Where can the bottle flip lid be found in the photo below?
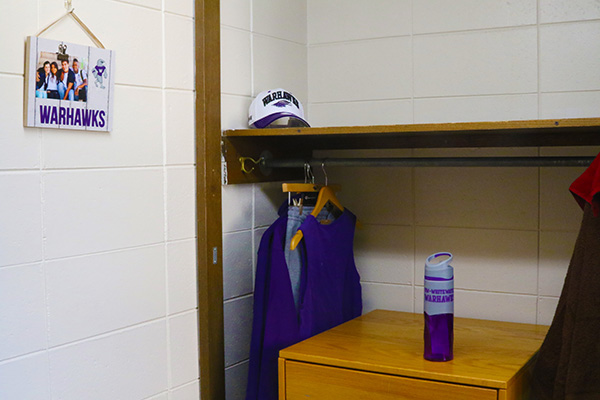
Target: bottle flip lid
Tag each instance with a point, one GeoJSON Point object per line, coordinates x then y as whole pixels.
{"type": "Point", "coordinates": [439, 270]}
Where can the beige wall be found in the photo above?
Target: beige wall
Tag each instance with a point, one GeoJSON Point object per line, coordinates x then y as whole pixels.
{"type": "Point", "coordinates": [511, 230]}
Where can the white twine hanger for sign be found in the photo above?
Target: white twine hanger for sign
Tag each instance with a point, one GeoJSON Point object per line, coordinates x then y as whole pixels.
{"type": "Point", "coordinates": [71, 12]}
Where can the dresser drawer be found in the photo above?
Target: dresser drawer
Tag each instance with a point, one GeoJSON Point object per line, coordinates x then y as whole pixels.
{"type": "Point", "coordinates": [317, 382]}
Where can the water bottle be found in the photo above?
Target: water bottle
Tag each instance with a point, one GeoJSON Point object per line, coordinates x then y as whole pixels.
{"type": "Point", "coordinates": [439, 308]}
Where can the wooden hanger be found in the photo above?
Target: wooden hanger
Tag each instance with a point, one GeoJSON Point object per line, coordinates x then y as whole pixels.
{"type": "Point", "coordinates": [326, 194]}
{"type": "Point", "coordinates": [298, 188]}
{"type": "Point", "coordinates": [306, 187]}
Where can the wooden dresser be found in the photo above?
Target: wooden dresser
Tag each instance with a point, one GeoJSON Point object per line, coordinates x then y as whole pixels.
{"type": "Point", "coordinates": [380, 356]}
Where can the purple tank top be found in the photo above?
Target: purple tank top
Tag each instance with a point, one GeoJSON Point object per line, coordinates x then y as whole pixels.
{"type": "Point", "coordinates": [330, 283]}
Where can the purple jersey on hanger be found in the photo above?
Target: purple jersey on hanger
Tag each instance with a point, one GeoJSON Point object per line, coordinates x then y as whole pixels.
{"type": "Point", "coordinates": [330, 294]}
{"type": "Point", "coordinates": [330, 284]}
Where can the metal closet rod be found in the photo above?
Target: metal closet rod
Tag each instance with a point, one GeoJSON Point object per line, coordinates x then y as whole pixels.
{"type": "Point", "coordinates": [432, 162]}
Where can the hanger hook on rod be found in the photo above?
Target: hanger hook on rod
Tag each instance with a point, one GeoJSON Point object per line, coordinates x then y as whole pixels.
{"type": "Point", "coordinates": [324, 171]}
{"type": "Point", "coordinates": [309, 177]}
{"type": "Point", "coordinates": [69, 5]}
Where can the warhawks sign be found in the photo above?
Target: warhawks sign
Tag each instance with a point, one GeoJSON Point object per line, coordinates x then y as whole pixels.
{"type": "Point", "coordinates": [68, 86]}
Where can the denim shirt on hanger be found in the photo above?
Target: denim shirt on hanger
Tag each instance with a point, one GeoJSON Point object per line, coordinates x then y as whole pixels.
{"type": "Point", "coordinates": [292, 257]}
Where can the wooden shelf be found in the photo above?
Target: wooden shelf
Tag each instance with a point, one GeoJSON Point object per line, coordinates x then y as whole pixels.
{"type": "Point", "coordinates": [300, 142]}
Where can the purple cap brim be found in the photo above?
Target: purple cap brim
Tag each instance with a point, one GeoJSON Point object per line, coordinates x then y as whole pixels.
{"type": "Point", "coordinates": [269, 119]}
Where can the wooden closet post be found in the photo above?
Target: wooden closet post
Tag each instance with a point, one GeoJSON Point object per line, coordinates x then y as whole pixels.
{"type": "Point", "coordinates": [208, 200]}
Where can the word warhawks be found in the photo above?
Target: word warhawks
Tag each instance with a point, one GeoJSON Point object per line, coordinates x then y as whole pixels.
{"type": "Point", "coordinates": [279, 95]}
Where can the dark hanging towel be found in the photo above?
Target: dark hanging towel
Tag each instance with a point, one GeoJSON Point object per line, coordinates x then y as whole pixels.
{"type": "Point", "coordinates": [330, 293]}
{"type": "Point", "coordinates": [568, 363]}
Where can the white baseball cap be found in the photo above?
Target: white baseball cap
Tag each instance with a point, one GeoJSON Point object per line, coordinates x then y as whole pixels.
{"type": "Point", "coordinates": [276, 108]}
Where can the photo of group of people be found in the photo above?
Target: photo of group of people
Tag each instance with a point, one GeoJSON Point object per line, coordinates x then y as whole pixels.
{"type": "Point", "coordinates": [61, 79]}
{"type": "Point", "coordinates": [68, 85]}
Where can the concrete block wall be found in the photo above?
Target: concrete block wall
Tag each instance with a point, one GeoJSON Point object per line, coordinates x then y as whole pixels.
{"type": "Point", "coordinates": [432, 61]}
{"type": "Point", "coordinates": [511, 230]}
{"type": "Point", "coordinates": [97, 245]}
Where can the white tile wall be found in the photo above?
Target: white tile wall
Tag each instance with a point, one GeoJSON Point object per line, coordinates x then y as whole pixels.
{"type": "Point", "coordinates": [268, 197]}
{"type": "Point", "coordinates": [546, 309]}
{"type": "Point", "coordinates": [237, 207]}
{"type": "Point", "coordinates": [442, 16]}
{"type": "Point", "coordinates": [23, 314]}
{"type": "Point", "coordinates": [384, 253]}
{"type": "Point", "coordinates": [556, 249]}
{"type": "Point", "coordinates": [476, 63]}
{"type": "Point", "coordinates": [569, 105]}
{"type": "Point", "coordinates": [236, 13]}
{"type": "Point", "coordinates": [234, 111]}
{"type": "Point", "coordinates": [134, 361]}
{"type": "Point", "coordinates": [558, 210]}
{"type": "Point", "coordinates": [139, 58]}
{"type": "Point", "coordinates": [78, 305]}
{"type": "Point", "coordinates": [182, 7]}
{"type": "Point", "coordinates": [278, 63]}
{"type": "Point", "coordinates": [183, 349]}
{"type": "Point", "coordinates": [162, 396]}
{"type": "Point", "coordinates": [392, 189]}
{"type": "Point", "coordinates": [25, 377]}
{"type": "Point", "coordinates": [89, 211]}
{"type": "Point", "coordinates": [236, 62]}
{"type": "Point", "coordinates": [179, 125]}
{"type": "Point", "coordinates": [179, 55]}
{"type": "Point", "coordinates": [281, 19]}
{"type": "Point", "coordinates": [19, 147]}
{"type": "Point", "coordinates": [237, 314]}
{"type": "Point", "coordinates": [186, 392]}
{"type": "Point", "coordinates": [236, 378]}
{"type": "Point", "coordinates": [98, 235]}
{"type": "Point", "coordinates": [361, 70]}
{"type": "Point", "coordinates": [18, 20]}
{"type": "Point", "coordinates": [569, 56]}
{"type": "Point", "coordinates": [446, 197]}
{"type": "Point", "coordinates": [151, 3]}
{"type": "Point", "coordinates": [387, 297]}
{"type": "Point", "coordinates": [476, 108]}
{"type": "Point", "coordinates": [21, 218]}
{"type": "Point", "coordinates": [484, 259]}
{"type": "Point", "coordinates": [237, 264]}
{"type": "Point", "coordinates": [385, 112]}
{"type": "Point", "coordinates": [344, 20]}
{"type": "Point", "coordinates": [560, 11]}
{"type": "Point", "coordinates": [181, 202]}
{"type": "Point", "coordinates": [181, 267]}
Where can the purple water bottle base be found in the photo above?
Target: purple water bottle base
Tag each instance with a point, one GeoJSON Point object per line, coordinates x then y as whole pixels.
{"type": "Point", "coordinates": [439, 337]}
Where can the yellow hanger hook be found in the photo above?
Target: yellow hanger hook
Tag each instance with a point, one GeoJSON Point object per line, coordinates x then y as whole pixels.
{"type": "Point", "coordinates": [255, 162]}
